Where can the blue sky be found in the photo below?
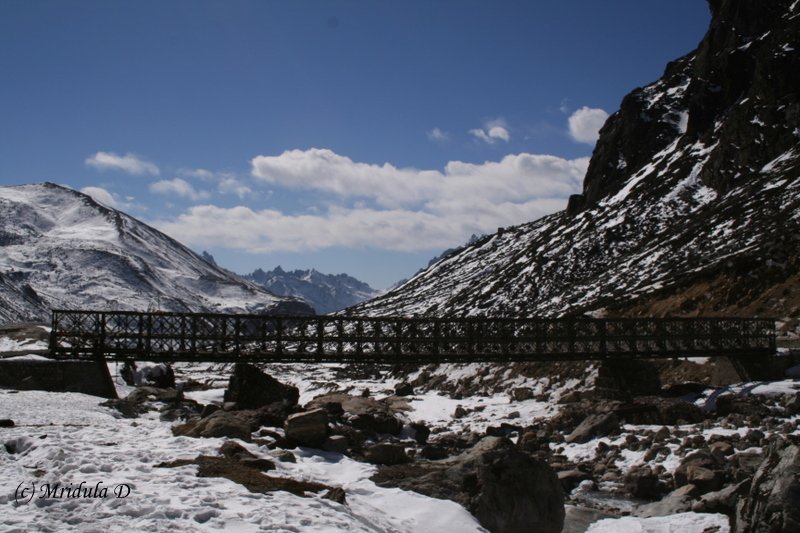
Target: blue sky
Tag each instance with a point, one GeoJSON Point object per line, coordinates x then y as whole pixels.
{"type": "Point", "coordinates": [348, 136]}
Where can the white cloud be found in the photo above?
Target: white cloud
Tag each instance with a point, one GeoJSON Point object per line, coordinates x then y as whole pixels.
{"type": "Point", "coordinates": [231, 185]}
{"type": "Point", "coordinates": [585, 124]}
{"type": "Point", "coordinates": [127, 163]}
{"type": "Point", "coordinates": [200, 173]}
{"type": "Point", "coordinates": [101, 195]}
{"type": "Point", "coordinates": [413, 209]}
{"type": "Point", "coordinates": [179, 187]}
{"type": "Point", "coordinates": [438, 135]}
{"type": "Point", "coordinates": [513, 178]}
{"type": "Point", "coordinates": [492, 131]}
{"type": "Point", "coordinates": [269, 231]}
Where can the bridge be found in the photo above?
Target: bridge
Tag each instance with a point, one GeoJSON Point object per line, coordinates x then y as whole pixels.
{"type": "Point", "coordinates": [171, 337]}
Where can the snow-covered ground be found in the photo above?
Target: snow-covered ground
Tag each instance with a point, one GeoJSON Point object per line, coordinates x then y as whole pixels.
{"type": "Point", "coordinates": [69, 438]}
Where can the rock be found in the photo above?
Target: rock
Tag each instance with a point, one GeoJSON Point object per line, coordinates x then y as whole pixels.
{"type": "Point", "coordinates": [792, 403]}
{"type": "Point", "coordinates": [595, 425]}
{"type": "Point", "coordinates": [433, 452]}
{"type": "Point", "coordinates": [459, 412]}
{"type": "Point", "coordinates": [421, 432]}
{"type": "Point", "coordinates": [520, 394]}
{"type": "Point", "coordinates": [208, 410]}
{"type": "Point", "coordinates": [721, 447]}
{"type": "Point", "coordinates": [218, 424]}
{"type": "Point", "coordinates": [754, 436]}
{"type": "Point", "coordinates": [250, 388]}
{"type": "Point", "coordinates": [722, 501]}
{"type": "Point", "coordinates": [6, 423]}
{"type": "Point", "coordinates": [642, 482]}
{"type": "Point", "coordinates": [285, 456]}
{"type": "Point", "coordinates": [702, 469]}
{"type": "Point", "coordinates": [250, 478]}
{"type": "Point", "coordinates": [570, 397]}
{"type": "Point", "coordinates": [367, 414]}
{"type": "Point", "coordinates": [678, 501]}
{"type": "Point", "coordinates": [504, 488]}
{"type": "Point", "coordinates": [631, 376]}
{"type": "Point", "coordinates": [378, 423]}
{"type": "Point", "coordinates": [135, 403]}
{"type": "Point", "coordinates": [337, 495]}
{"type": "Point", "coordinates": [403, 389]}
{"type": "Point", "coordinates": [158, 375]}
{"type": "Point", "coordinates": [386, 454]}
{"type": "Point", "coordinates": [336, 444]}
{"type": "Point", "coordinates": [309, 428]}
{"type": "Point", "coordinates": [578, 519]}
{"type": "Point", "coordinates": [771, 503]}
{"type": "Point", "coordinates": [257, 463]}
{"type": "Point", "coordinates": [233, 450]}
{"type": "Point", "coordinates": [705, 479]}
{"type": "Point", "coordinates": [572, 478]}
{"type": "Point", "coordinates": [743, 405]}
{"type": "Point", "coordinates": [273, 415]}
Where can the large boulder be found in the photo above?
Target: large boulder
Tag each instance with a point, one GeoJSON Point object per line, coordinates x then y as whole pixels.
{"type": "Point", "coordinates": [386, 454]}
{"type": "Point", "coordinates": [367, 414]}
{"type": "Point", "coordinates": [594, 425]}
{"type": "Point", "coordinates": [772, 503]}
{"type": "Point", "coordinates": [217, 424]}
{"type": "Point", "coordinates": [251, 388]}
{"type": "Point", "coordinates": [504, 488]}
{"type": "Point", "coordinates": [309, 428]}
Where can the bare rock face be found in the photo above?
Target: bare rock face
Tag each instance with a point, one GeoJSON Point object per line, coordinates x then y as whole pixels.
{"type": "Point", "coordinates": [505, 489]}
{"type": "Point", "coordinates": [688, 204]}
{"type": "Point", "coordinates": [250, 388]}
{"type": "Point", "coordinates": [772, 504]}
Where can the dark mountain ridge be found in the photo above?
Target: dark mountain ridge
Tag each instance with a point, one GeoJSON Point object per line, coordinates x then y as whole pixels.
{"type": "Point", "coordinates": [690, 205]}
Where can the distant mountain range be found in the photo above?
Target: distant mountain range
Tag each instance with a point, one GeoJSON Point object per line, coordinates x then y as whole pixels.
{"type": "Point", "coordinates": [326, 293]}
{"type": "Point", "coordinates": [691, 203]}
{"type": "Point", "coordinates": [59, 248]}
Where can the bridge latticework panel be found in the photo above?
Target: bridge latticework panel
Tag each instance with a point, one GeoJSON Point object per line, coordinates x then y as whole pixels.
{"type": "Point", "coordinates": [218, 337]}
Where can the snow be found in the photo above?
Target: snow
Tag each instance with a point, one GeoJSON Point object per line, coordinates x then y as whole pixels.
{"type": "Point", "coordinates": [10, 345]}
{"type": "Point", "coordinates": [68, 438]}
{"type": "Point", "coordinates": [678, 523]}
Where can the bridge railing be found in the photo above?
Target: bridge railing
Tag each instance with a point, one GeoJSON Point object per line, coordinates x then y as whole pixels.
{"type": "Point", "coordinates": [220, 337]}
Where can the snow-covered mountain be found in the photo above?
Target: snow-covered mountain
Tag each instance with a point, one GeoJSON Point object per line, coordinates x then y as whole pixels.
{"type": "Point", "coordinates": [326, 293]}
{"type": "Point", "coordinates": [690, 205]}
{"type": "Point", "coordinates": [61, 249]}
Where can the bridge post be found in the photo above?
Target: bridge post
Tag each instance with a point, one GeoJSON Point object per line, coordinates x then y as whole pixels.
{"type": "Point", "coordinates": [602, 331]}
{"type": "Point", "coordinates": [339, 335]}
{"type": "Point", "coordinates": [237, 335]}
{"type": "Point", "coordinates": [193, 338]}
{"type": "Point", "coordinates": [398, 343]}
{"type": "Point", "coordinates": [320, 338]}
{"type": "Point", "coordinates": [278, 336]}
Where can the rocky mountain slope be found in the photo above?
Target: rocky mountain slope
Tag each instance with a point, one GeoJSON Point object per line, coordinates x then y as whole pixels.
{"type": "Point", "coordinates": [691, 203]}
{"type": "Point", "coordinates": [326, 293]}
{"type": "Point", "coordinates": [61, 249]}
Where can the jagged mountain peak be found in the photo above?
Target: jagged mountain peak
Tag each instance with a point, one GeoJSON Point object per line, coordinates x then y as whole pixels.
{"type": "Point", "coordinates": [63, 249]}
{"type": "Point", "coordinates": [691, 201]}
{"type": "Point", "coordinates": [326, 293]}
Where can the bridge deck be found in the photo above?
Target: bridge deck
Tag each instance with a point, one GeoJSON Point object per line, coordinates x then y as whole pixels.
{"type": "Point", "coordinates": [120, 335]}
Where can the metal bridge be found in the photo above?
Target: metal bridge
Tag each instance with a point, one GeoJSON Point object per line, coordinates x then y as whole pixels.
{"type": "Point", "coordinates": [123, 335]}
